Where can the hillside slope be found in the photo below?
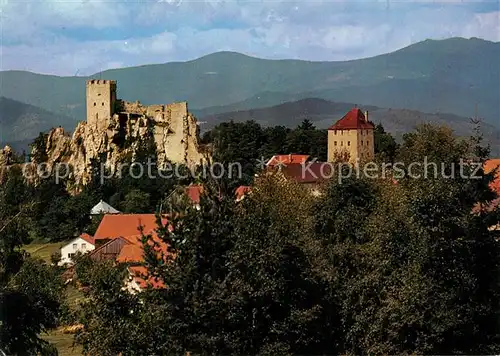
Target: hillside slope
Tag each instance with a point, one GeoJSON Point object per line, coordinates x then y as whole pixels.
{"type": "Point", "coordinates": [432, 76]}
{"type": "Point", "coordinates": [20, 122]}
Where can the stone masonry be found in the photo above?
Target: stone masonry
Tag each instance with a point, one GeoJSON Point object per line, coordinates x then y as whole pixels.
{"type": "Point", "coordinates": [115, 127]}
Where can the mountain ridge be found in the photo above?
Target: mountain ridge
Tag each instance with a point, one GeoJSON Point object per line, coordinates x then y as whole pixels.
{"type": "Point", "coordinates": [428, 76]}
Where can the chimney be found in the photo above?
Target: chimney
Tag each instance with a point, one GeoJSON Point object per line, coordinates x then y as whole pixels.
{"type": "Point", "coordinates": [366, 116]}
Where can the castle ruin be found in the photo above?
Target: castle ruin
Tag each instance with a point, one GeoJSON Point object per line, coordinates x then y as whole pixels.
{"type": "Point", "coordinates": [175, 130]}
{"type": "Point", "coordinates": [115, 128]}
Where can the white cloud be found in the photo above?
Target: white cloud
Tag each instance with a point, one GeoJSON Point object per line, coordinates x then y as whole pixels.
{"type": "Point", "coordinates": [34, 36]}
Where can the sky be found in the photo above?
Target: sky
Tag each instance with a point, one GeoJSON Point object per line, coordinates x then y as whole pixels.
{"type": "Point", "coordinates": [75, 37]}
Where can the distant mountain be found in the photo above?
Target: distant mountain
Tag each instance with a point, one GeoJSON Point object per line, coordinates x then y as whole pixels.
{"type": "Point", "coordinates": [324, 113]}
{"type": "Point", "coordinates": [431, 76]}
{"type": "Point", "coordinates": [20, 122]}
{"type": "Point", "coordinates": [321, 112]}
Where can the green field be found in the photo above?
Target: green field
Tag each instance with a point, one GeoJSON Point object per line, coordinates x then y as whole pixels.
{"type": "Point", "coordinates": [43, 251]}
{"type": "Point", "coordinates": [64, 343]}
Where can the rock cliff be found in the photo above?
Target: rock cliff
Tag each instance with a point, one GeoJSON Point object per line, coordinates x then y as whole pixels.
{"type": "Point", "coordinates": [172, 128]}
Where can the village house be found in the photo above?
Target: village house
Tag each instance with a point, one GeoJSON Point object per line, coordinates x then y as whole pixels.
{"type": "Point", "coordinates": [82, 244]}
{"type": "Point", "coordinates": [350, 140]}
{"type": "Point", "coordinates": [118, 238]}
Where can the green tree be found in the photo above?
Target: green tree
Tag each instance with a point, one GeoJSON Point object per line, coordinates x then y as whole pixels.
{"type": "Point", "coordinates": [109, 314]}
{"type": "Point", "coordinates": [136, 201]}
{"type": "Point", "coordinates": [39, 148]}
{"type": "Point", "coordinates": [385, 145]}
{"type": "Point", "coordinates": [29, 290]}
{"type": "Point", "coordinates": [413, 269]}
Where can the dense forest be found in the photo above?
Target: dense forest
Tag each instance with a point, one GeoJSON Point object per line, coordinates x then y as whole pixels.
{"type": "Point", "coordinates": [372, 266]}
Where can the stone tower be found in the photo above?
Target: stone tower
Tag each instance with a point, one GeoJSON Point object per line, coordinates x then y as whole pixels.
{"type": "Point", "coordinates": [351, 136]}
{"type": "Point", "coordinates": [101, 99]}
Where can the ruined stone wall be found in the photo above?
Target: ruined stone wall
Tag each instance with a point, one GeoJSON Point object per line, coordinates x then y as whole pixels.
{"type": "Point", "coordinates": [115, 127]}
{"type": "Point", "coordinates": [101, 98]}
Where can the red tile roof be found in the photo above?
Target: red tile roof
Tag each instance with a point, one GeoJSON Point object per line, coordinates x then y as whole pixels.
{"type": "Point", "coordinates": [489, 166]}
{"type": "Point", "coordinates": [287, 159]}
{"type": "Point", "coordinates": [133, 251]}
{"type": "Point", "coordinates": [139, 274]}
{"type": "Point", "coordinates": [307, 173]}
{"type": "Point", "coordinates": [241, 191]}
{"type": "Point", "coordinates": [354, 119]}
{"type": "Point", "coordinates": [87, 238]}
{"type": "Point", "coordinates": [121, 225]}
{"type": "Point", "coordinates": [194, 192]}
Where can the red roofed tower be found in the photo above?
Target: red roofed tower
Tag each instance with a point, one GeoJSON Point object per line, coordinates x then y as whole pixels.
{"type": "Point", "coordinates": [351, 136]}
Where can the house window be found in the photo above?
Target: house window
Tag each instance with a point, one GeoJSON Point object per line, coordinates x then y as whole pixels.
{"type": "Point", "coordinates": [348, 143]}
{"type": "Point", "coordinates": [335, 143]}
{"type": "Point", "coordinates": [341, 143]}
{"type": "Point", "coordinates": [95, 104]}
{"type": "Point", "coordinates": [102, 104]}
{"type": "Point", "coordinates": [70, 255]}
{"type": "Point", "coordinates": [84, 246]}
{"type": "Point", "coordinates": [75, 246]}
{"type": "Point", "coordinates": [335, 132]}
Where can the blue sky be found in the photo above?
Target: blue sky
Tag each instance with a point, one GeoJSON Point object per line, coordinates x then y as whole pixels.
{"type": "Point", "coordinates": [68, 37]}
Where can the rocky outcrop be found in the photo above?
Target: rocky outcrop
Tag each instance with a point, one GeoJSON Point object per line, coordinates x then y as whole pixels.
{"type": "Point", "coordinates": [6, 155]}
{"type": "Point", "coordinates": [172, 128]}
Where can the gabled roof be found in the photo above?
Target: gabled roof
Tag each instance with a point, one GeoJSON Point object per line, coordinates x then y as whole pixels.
{"type": "Point", "coordinates": [287, 159]}
{"type": "Point", "coordinates": [133, 250]}
{"type": "Point", "coordinates": [87, 238]}
{"type": "Point", "coordinates": [315, 172]}
{"type": "Point", "coordinates": [103, 208]}
{"type": "Point", "coordinates": [354, 119]}
{"type": "Point", "coordinates": [122, 225]}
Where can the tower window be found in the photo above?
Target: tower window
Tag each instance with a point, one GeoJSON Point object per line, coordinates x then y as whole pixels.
{"type": "Point", "coordinates": [335, 143]}
{"type": "Point", "coordinates": [367, 143]}
{"type": "Point", "coordinates": [341, 143]}
{"type": "Point", "coordinates": [95, 104]}
{"type": "Point", "coordinates": [361, 142]}
{"type": "Point", "coordinates": [102, 104]}
{"type": "Point", "coordinates": [348, 143]}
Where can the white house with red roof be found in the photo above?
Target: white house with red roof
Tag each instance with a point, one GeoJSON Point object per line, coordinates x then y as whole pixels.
{"type": "Point", "coordinates": [83, 244]}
